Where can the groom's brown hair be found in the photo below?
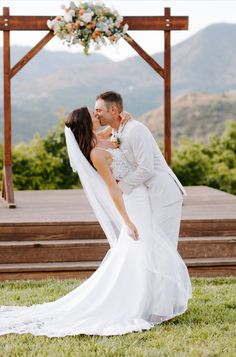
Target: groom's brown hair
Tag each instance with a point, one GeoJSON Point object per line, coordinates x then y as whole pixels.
{"type": "Point", "coordinates": [111, 97]}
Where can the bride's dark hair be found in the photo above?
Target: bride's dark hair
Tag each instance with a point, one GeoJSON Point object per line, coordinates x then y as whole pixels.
{"type": "Point", "coordinates": [80, 123]}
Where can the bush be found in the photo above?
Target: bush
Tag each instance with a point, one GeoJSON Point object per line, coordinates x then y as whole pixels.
{"type": "Point", "coordinates": [43, 163]}
{"type": "Point", "coordinates": [212, 163]}
{"type": "Point", "coordinates": [190, 163]}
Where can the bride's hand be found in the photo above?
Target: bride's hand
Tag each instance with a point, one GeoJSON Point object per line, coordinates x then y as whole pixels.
{"type": "Point", "coordinates": [125, 117]}
{"type": "Point", "coordinates": [132, 230]}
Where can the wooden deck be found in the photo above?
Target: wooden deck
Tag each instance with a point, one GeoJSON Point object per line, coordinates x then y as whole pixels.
{"type": "Point", "coordinates": [55, 233]}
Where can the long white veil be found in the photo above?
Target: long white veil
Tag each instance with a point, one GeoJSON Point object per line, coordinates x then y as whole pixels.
{"type": "Point", "coordinates": [95, 189]}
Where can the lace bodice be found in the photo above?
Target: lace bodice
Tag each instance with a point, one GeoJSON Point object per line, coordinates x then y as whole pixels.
{"type": "Point", "coordinates": [120, 167]}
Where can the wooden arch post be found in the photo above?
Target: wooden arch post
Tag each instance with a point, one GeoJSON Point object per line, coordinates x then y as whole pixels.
{"type": "Point", "coordinates": [166, 23]}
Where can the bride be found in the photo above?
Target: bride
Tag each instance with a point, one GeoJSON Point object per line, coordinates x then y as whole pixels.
{"type": "Point", "coordinates": [141, 282]}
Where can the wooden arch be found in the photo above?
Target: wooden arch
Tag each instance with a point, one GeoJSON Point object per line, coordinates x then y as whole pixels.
{"type": "Point", "coordinates": [8, 23]}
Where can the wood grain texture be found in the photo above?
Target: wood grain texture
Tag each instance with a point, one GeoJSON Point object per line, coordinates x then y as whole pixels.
{"type": "Point", "coordinates": [7, 187]}
{"type": "Point", "coordinates": [167, 93]}
{"type": "Point", "coordinates": [39, 23]}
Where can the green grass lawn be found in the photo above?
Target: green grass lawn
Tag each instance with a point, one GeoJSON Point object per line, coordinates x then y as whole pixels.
{"type": "Point", "coordinates": [208, 328]}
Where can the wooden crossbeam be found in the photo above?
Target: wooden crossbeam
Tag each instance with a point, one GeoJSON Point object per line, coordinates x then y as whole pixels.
{"type": "Point", "coordinates": [18, 23]}
{"type": "Point", "coordinates": [145, 55]}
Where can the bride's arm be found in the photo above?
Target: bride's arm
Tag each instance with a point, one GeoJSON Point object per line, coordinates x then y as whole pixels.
{"type": "Point", "coordinates": [106, 133]}
{"type": "Point", "coordinates": [100, 163]}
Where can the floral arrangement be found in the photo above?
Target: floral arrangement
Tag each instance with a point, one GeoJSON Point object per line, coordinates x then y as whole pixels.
{"type": "Point", "coordinates": [89, 22]}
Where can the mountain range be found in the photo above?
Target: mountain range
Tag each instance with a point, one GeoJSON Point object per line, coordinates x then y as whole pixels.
{"type": "Point", "coordinates": [53, 83]}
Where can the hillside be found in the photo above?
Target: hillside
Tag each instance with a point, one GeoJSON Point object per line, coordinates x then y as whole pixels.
{"type": "Point", "coordinates": [55, 83]}
{"type": "Point", "coordinates": [195, 115]}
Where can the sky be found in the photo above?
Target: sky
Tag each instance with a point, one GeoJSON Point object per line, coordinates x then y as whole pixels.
{"type": "Point", "coordinates": [201, 14]}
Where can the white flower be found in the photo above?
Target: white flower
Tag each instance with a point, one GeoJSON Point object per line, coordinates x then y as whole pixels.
{"type": "Point", "coordinates": [125, 28]}
{"type": "Point", "coordinates": [72, 5]}
{"type": "Point", "coordinates": [67, 37]}
{"type": "Point", "coordinates": [53, 24]}
{"type": "Point", "coordinates": [50, 24]}
{"type": "Point", "coordinates": [98, 12]}
{"type": "Point", "coordinates": [87, 16]}
{"type": "Point", "coordinates": [103, 27]}
{"type": "Point", "coordinates": [99, 3]}
{"type": "Point", "coordinates": [68, 17]}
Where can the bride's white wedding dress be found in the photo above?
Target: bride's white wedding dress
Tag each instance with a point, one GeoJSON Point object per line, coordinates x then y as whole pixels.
{"type": "Point", "coordinates": [139, 283]}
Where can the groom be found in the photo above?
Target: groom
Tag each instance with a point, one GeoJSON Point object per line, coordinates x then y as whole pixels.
{"type": "Point", "coordinates": [149, 166]}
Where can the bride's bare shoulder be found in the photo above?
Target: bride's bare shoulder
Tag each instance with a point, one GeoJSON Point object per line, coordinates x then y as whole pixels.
{"type": "Point", "coordinates": [97, 154]}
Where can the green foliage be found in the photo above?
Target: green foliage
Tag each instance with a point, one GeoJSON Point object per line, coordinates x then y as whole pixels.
{"type": "Point", "coordinates": [212, 164]}
{"type": "Point", "coordinates": [190, 163]}
{"type": "Point", "coordinates": [43, 163]}
{"type": "Point", "coordinates": [55, 144]}
{"type": "Point", "coordinates": [206, 329]}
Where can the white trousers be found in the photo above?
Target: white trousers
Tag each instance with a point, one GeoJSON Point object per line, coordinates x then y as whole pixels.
{"type": "Point", "coordinates": [167, 220]}
{"type": "Point", "coordinates": [166, 202]}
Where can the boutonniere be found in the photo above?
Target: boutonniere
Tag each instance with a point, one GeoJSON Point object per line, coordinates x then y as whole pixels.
{"type": "Point", "coordinates": [116, 136]}
{"type": "Point", "coordinates": [115, 139]}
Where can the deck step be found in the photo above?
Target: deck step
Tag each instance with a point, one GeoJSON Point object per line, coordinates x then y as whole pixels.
{"type": "Point", "coordinates": [211, 267]}
{"type": "Point", "coordinates": [207, 227]}
{"type": "Point", "coordinates": [65, 270]}
{"type": "Point", "coordinates": [86, 230]}
{"type": "Point", "coordinates": [50, 231]}
{"type": "Point", "coordinates": [207, 247]}
{"type": "Point", "coordinates": [73, 250]}
{"type": "Point", "coordinates": [53, 251]}
{"type": "Point", "coordinates": [197, 267]}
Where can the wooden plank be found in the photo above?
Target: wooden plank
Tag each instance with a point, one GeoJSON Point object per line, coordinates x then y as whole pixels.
{"type": "Point", "coordinates": [38, 275]}
{"type": "Point", "coordinates": [212, 272]}
{"type": "Point", "coordinates": [8, 194]}
{"type": "Point", "coordinates": [157, 68]}
{"type": "Point", "coordinates": [7, 95]}
{"type": "Point", "coordinates": [53, 251]}
{"type": "Point", "coordinates": [207, 227]}
{"type": "Point", "coordinates": [46, 232]}
{"type": "Point", "coordinates": [95, 249]}
{"type": "Point", "coordinates": [59, 266]}
{"type": "Point", "coordinates": [24, 60]}
{"type": "Point", "coordinates": [39, 23]}
{"type": "Point", "coordinates": [156, 22]}
{"type": "Point", "coordinates": [211, 262]}
{"type": "Point", "coordinates": [167, 93]}
{"type": "Point", "coordinates": [207, 247]}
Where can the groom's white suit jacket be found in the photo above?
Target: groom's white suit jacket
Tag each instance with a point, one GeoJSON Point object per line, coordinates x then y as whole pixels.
{"type": "Point", "coordinates": [149, 165]}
